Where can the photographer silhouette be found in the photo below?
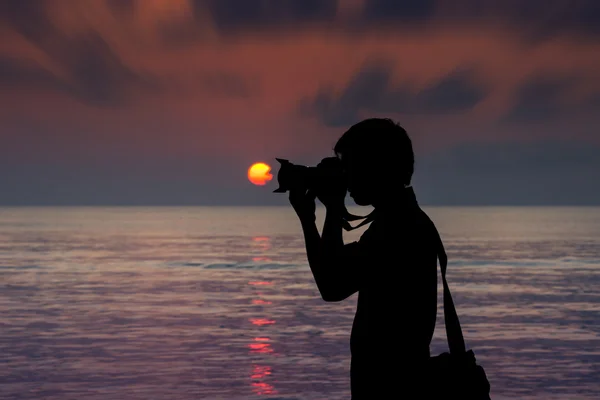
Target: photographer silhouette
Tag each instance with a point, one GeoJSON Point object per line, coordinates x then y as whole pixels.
{"type": "Point", "coordinates": [392, 266]}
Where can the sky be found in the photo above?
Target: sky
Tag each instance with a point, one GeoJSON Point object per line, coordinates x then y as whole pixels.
{"type": "Point", "coordinates": [168, 102]}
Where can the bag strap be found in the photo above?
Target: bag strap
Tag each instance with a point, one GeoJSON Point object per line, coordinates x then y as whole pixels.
{"type": "Point", "coordinates": [456, 340]}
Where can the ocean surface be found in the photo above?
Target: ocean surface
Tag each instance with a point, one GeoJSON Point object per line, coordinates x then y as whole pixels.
{"type": "Point", "coordinates": [219, 303]}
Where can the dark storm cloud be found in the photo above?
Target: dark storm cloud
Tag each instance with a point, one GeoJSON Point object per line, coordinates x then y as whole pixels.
{"type": "Point", "coordinates": [541, 173]}
{"type": "Point", "coordinates": [371, 91]}
{"type": "Point", "coordinates": [547, 97]}
{"type": "Point", "coordinates": [235, 15]}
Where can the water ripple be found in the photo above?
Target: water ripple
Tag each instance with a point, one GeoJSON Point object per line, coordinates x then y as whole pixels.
{"type": "Point", "coordinates": [138, 309]}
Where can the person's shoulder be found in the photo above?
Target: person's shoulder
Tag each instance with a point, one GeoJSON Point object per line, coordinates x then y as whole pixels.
{"type": "Point", "coordinates": [422, 217]}
{"type": "Point", "coordinates": [384, 229]}
{"type": "Point", "coordinates": [412, 224]}
{"type": "Point", "coordinates": [404, 224]}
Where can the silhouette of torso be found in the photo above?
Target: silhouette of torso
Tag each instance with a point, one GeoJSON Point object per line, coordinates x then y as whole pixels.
{"type": "Point", "coordinates": [396, 262]}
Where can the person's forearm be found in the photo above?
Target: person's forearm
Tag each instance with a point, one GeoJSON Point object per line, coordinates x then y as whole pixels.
{"type": "Point", "coordinates": [332, 239]}
{"type": "Point", "coordinates": [312, 240]}
{"type": "Point", "coordinates": [321, 250]}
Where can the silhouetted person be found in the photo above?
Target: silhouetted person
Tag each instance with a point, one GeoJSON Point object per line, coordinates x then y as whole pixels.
{"type": "Point", "coordinates": [392, 266]}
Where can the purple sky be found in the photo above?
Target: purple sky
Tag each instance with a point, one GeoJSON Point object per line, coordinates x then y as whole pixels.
{"type": "Point", "coordinates": [169, 102]}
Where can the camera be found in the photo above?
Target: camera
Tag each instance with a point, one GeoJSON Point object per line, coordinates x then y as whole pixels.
{"type": "Point", "coordinates": [292, 176]}
{"type": "Point", "coordinates": [328, 173]}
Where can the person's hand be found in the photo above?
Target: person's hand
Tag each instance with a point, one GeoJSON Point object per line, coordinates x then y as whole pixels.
{"type": "Point", "coordinates": [333, 192]}
{"type": "Point", "coordinates": [332, 197]}
{"type": "Point", "coordinates": [303, 202]}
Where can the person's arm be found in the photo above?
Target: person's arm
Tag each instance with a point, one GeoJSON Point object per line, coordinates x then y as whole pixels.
{"type": "Point", "coordinates": [333, 264]}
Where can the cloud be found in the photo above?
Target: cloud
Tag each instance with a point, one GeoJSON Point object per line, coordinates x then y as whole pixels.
{"type": "Point", "coordinates": [534, 18]}
{"type": "Point", "coordinates": [19, 73]}
{"type": "Point", "coordinates": [235, 15]}
{"type": "Point", "coordinates": [550, 97]}
{"type": "Point", "coordinates": [228, 84]}
{"type": "Point", "coordinates": [28, 17]}
{"type": "Point", "coordinates": [455, 92]}
{"type": "Point", "coordinates": [371, 91]}
{"type": "Point", "coordinates": [539, 98]}
{"type": "Point", "coordinates": [99, 76]}
{"type": "Point", "coordinates": [122, 8]}
{"type": "Point", "coordinates": [94, 72]}
{"type": "Point", "coordinates": [399, 11]}
{"type": "Point", "coordinates": [367, 90]}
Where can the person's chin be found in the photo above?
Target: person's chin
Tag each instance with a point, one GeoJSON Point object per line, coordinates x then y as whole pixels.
{"type": "Point", "coordinates": [360, 200]}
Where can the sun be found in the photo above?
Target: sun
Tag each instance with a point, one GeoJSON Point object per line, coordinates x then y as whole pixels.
{"type": "Point", "coordinates": [259, 173]}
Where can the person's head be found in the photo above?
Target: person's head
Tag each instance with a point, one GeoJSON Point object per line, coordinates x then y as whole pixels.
{"type": "Point", "coordinates": [378, 158]}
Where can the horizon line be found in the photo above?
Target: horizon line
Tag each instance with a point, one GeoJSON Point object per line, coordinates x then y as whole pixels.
{"type": "Point", "coordinates": [287, 205]}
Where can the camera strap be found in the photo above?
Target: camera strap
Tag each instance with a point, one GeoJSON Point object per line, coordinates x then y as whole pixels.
{"type": "Point", "coordinates": [351, 217]}
{"type": "Point", "coordinates": [406, 196]}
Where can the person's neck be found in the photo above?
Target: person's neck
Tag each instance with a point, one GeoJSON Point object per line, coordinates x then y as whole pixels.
{"type": "Point", "coordinates": [402, 198]}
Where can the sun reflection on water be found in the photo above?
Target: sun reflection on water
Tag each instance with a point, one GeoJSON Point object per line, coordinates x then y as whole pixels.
{"type": "Point", "coordinates": [260, 346]}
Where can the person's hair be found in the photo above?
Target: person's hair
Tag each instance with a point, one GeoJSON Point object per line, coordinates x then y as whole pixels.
{"type": "Point", "coordinates": [382, 143]}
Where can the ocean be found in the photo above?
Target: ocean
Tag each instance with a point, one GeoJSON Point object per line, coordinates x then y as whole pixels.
{"type": "Point", "coordinates": [219, 303]}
